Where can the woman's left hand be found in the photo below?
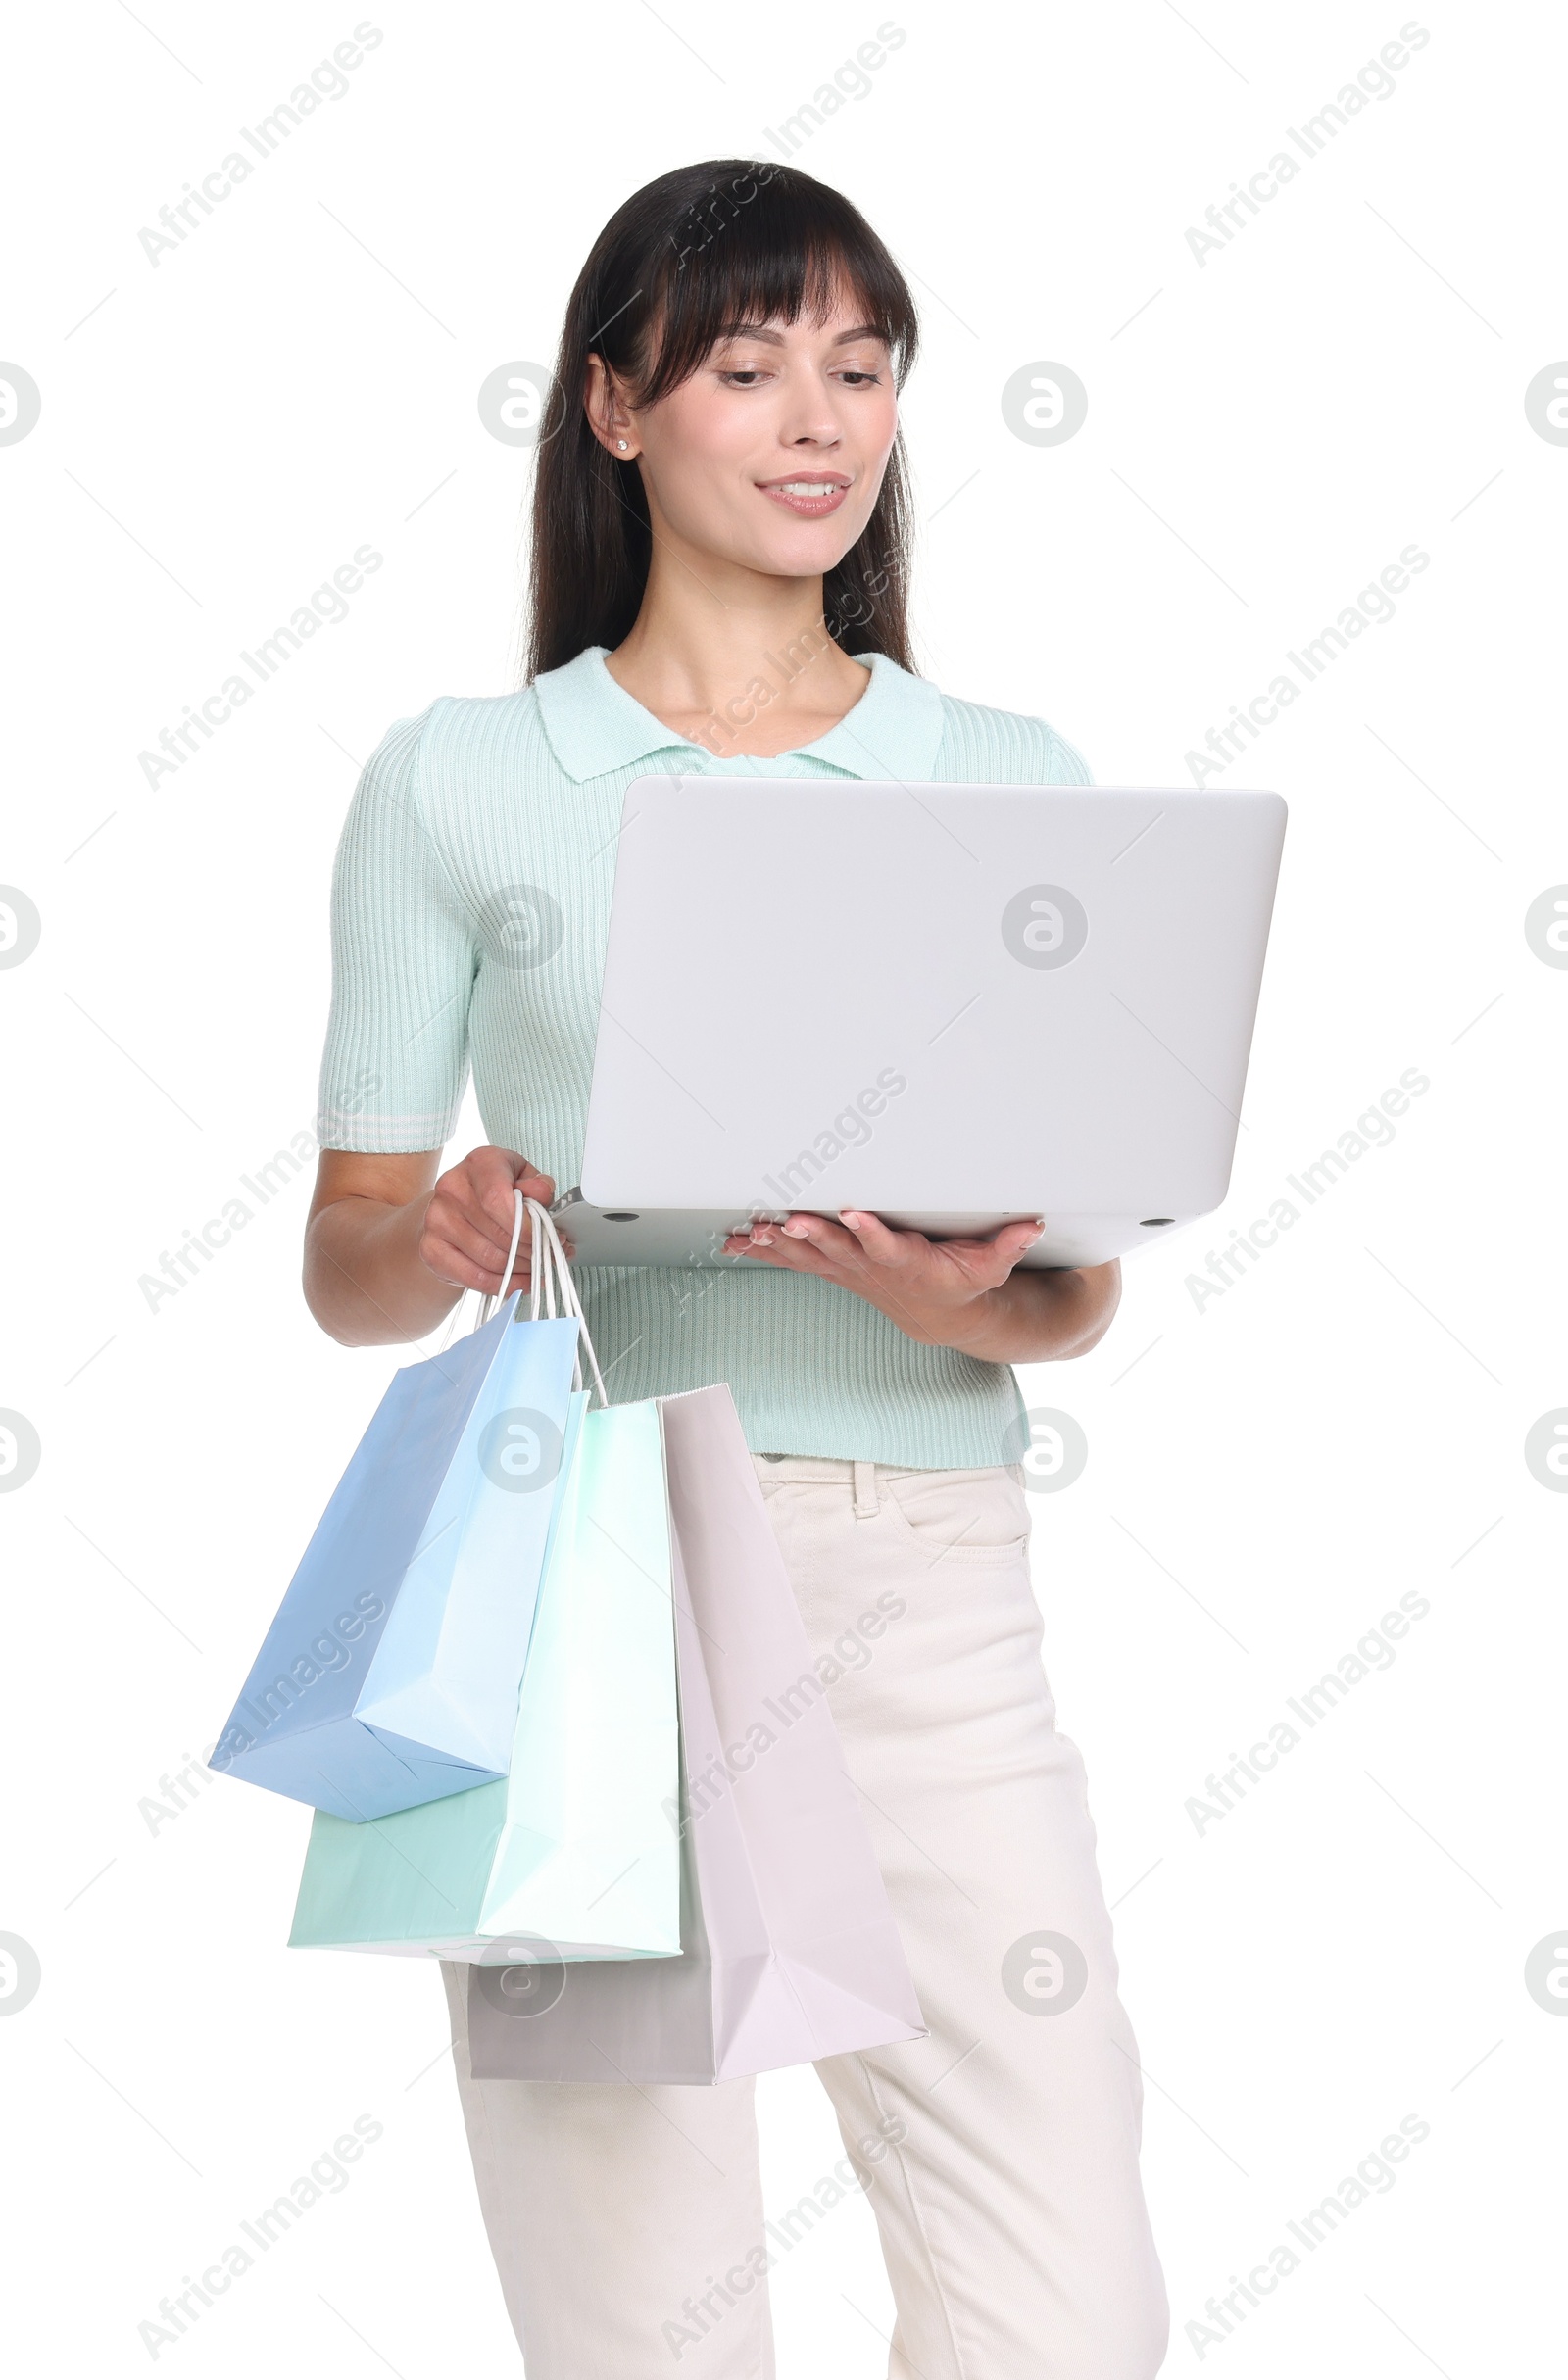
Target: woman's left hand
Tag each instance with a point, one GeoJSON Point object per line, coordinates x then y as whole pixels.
{"type": "Point", "coordinates": [945, 1292]}
{"type": "Point", "coordinates": [927, 1286]}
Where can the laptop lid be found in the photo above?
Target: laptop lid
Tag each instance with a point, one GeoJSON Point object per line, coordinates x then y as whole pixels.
{"type": "Point", "coordinates": [965, 999]}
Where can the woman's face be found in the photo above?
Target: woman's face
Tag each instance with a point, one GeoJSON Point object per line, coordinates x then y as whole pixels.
{"type": "Point", "coordinates": [771, 456]}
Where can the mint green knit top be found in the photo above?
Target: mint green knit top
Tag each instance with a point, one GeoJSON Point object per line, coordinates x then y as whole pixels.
{"type": "Point", "coordinates": [462, 819]}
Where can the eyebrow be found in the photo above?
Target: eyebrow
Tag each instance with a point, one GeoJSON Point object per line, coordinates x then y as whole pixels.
{"type": "Point", "coordinates": [775, 338]}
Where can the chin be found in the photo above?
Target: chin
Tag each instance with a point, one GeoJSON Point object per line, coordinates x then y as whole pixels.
{"type": "Point", "coordinates": [805, 548]}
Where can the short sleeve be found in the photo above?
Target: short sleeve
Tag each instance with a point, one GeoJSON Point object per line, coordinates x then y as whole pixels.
{"type": "Point", "coordinates": [985, 746]}
{"type": "Point", "coordinates": [396, 1060]}
{"type": "Point", "coordinates": [1064, 763]}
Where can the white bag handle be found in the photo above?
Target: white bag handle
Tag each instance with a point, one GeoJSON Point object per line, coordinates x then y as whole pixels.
{"type": "Point", "coordinates": [489, 1306]}
{"type": "Point", "coordinates": [549, 1273]}
{"type": "Point", "coordinates": [554, 1272]}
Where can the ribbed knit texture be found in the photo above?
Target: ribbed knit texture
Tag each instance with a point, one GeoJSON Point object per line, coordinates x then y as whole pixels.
{"type": "Point", "coordinates": [462, 819]}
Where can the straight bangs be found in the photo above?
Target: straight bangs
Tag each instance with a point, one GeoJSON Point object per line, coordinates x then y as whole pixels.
{"type": "Point", "coordinates": [788, 251]}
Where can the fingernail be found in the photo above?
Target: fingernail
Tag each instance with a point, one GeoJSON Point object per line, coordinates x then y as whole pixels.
{"type": "Point", "coordinates": [852, 1216]}
{"type": "Point", "coordinates": [797, 1231]}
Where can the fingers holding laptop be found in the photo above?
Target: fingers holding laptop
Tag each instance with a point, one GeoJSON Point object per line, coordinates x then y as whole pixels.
{"type": "Point", "coordinates": [965, 1294]}
{"type": "Point", "coordinates": [930, 1287]}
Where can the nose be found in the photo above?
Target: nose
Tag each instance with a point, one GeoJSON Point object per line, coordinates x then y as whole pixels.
{"type": "Point", "coordinates": [808, 418]}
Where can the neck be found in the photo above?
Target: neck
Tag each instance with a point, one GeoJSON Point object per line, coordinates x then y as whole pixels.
{"type": "Point", "coordinates": [732, 657]}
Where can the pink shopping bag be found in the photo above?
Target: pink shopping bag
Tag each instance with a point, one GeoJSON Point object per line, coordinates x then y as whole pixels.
{"type": "Point", "coordinates": [788, 1948]}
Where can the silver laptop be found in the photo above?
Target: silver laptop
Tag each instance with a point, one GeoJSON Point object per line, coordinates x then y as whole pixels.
{"type": "Point", "coordinates": [953, 1006]}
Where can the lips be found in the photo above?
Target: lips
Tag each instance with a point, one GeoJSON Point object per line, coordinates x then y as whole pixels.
{"type": "Point", "coordinates": [809, 494]}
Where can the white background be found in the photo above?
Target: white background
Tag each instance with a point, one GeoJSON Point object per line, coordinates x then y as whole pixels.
{"type": "Point", "coordinates": [1265, 432]}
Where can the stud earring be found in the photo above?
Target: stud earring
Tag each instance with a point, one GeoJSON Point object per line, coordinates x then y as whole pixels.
{"type": "Point", "coordinates": [620, 442]}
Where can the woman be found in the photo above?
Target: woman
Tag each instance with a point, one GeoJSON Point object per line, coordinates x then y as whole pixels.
{"type": "Point", "coordinates": [718, 582]}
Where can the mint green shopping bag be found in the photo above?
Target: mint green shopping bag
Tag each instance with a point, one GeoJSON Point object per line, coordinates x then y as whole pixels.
{"type": "Point", "coordinates": [575, 1845]}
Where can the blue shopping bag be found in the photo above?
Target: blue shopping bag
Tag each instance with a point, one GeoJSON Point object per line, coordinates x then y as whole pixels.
{"type": "Point", "coordinates": [391, 1673]}
{"type": "Point", "coordinates": [577, 1846]}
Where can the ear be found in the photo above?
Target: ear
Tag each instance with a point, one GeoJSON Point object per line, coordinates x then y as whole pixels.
{"type": "Point", "coordinates": [609, 416]}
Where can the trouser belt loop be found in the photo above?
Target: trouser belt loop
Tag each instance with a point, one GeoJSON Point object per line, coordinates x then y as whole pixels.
{"type": "Point", "coordinates": [866, 1502]}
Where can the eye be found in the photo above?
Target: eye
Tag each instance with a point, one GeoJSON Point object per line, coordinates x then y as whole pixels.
{"type": "Point", "coordinates": [745, 376]}
{"type": "Point", "coordinates": [856, 379]}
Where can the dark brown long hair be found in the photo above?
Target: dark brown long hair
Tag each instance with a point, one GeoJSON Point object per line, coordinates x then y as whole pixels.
{"type": "Point", "coordinates": [708, 246]}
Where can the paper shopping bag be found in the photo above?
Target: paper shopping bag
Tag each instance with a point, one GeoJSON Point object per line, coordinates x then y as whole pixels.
{"type": "Point", "coordinates": [788, 1949]}
{"type": "Point", "coordinates": [390, 1674]}
{"type": "Point", "coordinates": [577, 1844]}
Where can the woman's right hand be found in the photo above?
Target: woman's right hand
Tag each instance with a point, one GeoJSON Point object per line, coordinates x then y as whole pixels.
{"type": "Point", "coordinates": [389, 1247]}
{"type": "Point", "coordinates": [468, 1222]}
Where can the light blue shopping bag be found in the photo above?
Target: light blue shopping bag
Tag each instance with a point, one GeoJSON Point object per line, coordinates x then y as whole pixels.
{"type": "Point", "coordinates": [576, 1848]}
{"type": "Point", "coordinates": [390, 1675]}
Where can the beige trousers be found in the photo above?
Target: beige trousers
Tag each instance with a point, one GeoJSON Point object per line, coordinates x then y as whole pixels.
{"type": "Point", "coordinates": [1000, 2154]}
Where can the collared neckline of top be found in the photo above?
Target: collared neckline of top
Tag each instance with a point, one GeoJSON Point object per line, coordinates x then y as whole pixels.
{"type": "Point", "coordinates": [594, 726]}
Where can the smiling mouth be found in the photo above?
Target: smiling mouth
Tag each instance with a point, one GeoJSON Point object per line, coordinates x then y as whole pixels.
{"type": "Point", "coordinates": [806, 495]}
